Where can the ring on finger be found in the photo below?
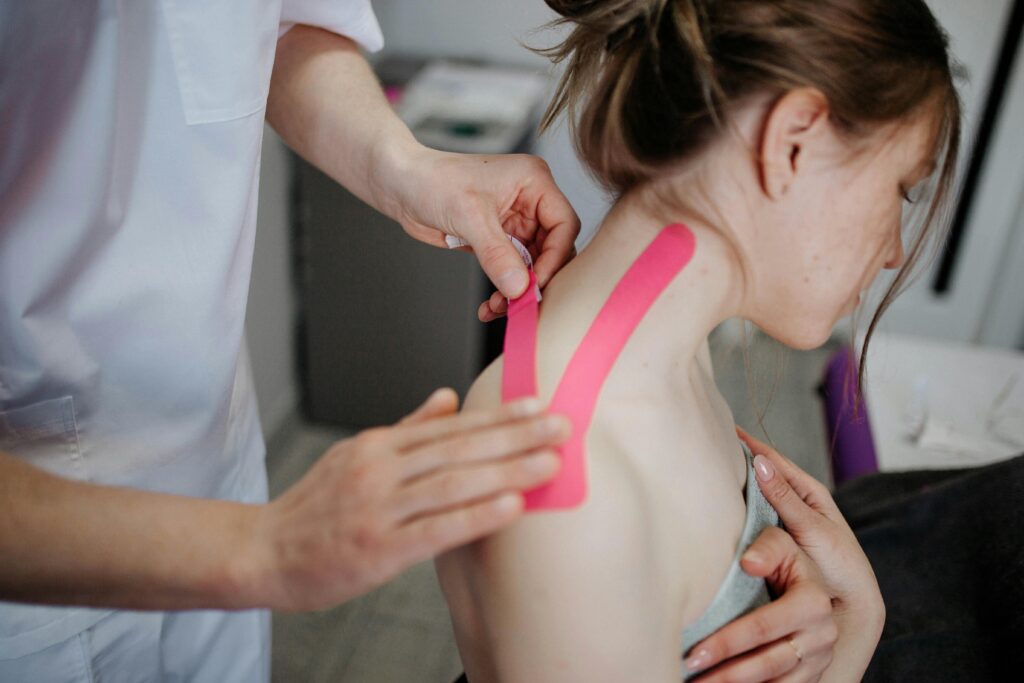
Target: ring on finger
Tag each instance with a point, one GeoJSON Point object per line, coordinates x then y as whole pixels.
{"type": "Point", "coordinates": [796, 649]}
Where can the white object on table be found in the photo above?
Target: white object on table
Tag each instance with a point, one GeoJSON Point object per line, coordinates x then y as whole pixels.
{"type": "Point", "coordinates": [480, 109]}
{"type": "Point", "coordinates": [935, 404]}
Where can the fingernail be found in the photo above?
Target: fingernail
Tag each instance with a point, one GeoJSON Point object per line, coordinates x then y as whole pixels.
{"type": "Point", "coordinates": [528, 406]}
{"type": "Point", "coordinates": [764, 468]}
{"type": "Point", "coordinates": [512, 282]}
{"type": "Point", "coordinates": [555, 426]}
{"type": "Point", "coordinates": [544, 464]}
{"type": "Point", "coordinates": [698, 660]}
{"type": "Point", "coordinates": [753, 556]}
{"type": "Point", "coordinates": [455, 242]}
{"type": "Point", "coordinates": [509, 502]}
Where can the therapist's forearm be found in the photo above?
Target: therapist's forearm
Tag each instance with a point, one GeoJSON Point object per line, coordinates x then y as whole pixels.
{"type": "Point", "coordinates": [65, 542]}
{"type": "Point", "coordinates": [326, 103]}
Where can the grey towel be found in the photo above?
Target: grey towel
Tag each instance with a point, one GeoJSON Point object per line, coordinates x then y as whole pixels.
{"type": "Point", "coordinates": [947, 547]}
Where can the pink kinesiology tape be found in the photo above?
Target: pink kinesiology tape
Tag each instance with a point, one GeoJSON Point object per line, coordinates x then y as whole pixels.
{"type": "Point", "coordinates": [577, 391]}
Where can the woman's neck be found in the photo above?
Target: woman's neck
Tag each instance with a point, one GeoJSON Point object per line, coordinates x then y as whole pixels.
{"type": "Point", "coordinates": [667, 345]}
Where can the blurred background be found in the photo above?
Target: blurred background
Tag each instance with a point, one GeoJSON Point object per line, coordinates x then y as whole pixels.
{"type": "Point", "coordinates": [351, 323]}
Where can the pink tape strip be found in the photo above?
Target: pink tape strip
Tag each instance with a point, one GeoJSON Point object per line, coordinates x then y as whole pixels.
{"type": "Point", "coordinates": [519, 366]}
{"type": "Point", "coordinates": [580, 386]}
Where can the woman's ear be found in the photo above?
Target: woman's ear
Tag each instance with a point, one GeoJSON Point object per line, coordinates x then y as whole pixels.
{"type": "Point", "coordinates": [793, 123]}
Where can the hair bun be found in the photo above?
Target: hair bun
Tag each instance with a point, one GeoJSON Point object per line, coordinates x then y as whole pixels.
{"type": "Point", "coordinates": [577, 10]}
{"type": "Point", "coordinates": [605, 16]}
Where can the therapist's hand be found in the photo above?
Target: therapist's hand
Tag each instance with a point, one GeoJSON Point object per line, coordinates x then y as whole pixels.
{"type": "Point", "coordinates": [326, 103]}
{"type": "Point", "coordinates": [390, 497]}
{"type": "Point", "coordinates": [483, 198]}
{"type": "Point", "coordinates": [754, 648]}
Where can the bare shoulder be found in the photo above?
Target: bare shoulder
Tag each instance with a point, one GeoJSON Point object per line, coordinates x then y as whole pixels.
{"type": "Point", "coordinates": [519, 598]}
{"type": "Point", "coordinates": [485, 392]}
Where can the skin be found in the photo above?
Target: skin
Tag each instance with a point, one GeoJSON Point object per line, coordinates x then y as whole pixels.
{"type": "Point", "coordinates": [802, 223]}
{"type": "Point", "coordinates": [757, 646]}
{"type": "Point", "coordinates": [373, 504]}
{"type": "Point", "coordinates": [174, 552]}
{"type": "Point", "coordinates": [344, 125]}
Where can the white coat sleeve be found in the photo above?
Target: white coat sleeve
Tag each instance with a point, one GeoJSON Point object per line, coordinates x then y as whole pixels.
{"type": "Point", "coordinates": [350, 18]}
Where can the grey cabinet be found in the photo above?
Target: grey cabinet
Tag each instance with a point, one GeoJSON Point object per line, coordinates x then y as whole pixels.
{"type": "Point", "coordinates": [383, 319]}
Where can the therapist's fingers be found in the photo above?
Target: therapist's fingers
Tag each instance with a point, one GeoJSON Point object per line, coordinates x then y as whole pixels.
{"type": "Point", "coordinates": [407, 437]}
{"type": "Point", "coordinates": [554, 250]}
{"type": "Point", "coordinates": [352, 521]}
{"type": "Point", "coordinates": [535, 211]}
{"type": "Point", "coordinates": [541, 217]}
{"type": "Point", "coordinates": [492, 309]}
{"type": "Point", "coordinates": [429, 536]}
{"type": "Point", "coordinates": [485, 314]}
{"type": "Point", "coordinates": [443, 401]}
{"type": "Point", "coordinates": [443, 490]}
{"type": "Point", "coordinates": [498, 258]}
{"type": "Point", "coordinates": [498, 303]}
{"type": "Point", "coordinates": [486, 444]}
{"type": "Point", "coordinates": [557, 242]}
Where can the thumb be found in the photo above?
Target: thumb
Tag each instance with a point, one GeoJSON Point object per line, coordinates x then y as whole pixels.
{"type": "Point", "coordinates": [499, 259]}
{"type": "Point", "coordinates": [797, 515]}
{"type": "Point", "coordinates": [442, 402]}
{"type": "Point", "coordinates": [772, 554]}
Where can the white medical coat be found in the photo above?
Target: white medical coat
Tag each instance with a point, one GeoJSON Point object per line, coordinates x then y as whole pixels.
{"type": "Point", "coordinates": [130, 135]}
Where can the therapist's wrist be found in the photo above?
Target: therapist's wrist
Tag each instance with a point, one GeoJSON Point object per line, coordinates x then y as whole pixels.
{"type": "Point", "coordinates": [396, 172]}
{"type": "Point", "coordinates": [243, 576]}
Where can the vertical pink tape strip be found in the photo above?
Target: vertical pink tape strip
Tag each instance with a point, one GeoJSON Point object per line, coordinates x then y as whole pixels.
{"type": "Point", "coordinates": [578, 391]}
{"type": "Point", "coordinates": [519, 366]}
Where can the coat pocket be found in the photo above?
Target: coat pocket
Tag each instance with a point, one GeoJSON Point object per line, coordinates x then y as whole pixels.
{"type": "Point", "coordinates": [45, 435]}
{"type": "Point", "coordinates": [223, 54]}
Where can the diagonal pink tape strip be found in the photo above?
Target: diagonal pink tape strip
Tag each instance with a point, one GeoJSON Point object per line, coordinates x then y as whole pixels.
{"type": "Point", "coordinates": [580, 386]}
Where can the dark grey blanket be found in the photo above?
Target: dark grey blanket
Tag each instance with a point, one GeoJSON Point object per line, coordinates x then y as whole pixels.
{"type": "Point", "coordinates": [947, 547]}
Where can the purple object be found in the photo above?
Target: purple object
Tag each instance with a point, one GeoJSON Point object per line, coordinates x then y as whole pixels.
{"type": "Point", "coordinates": [849, 432]}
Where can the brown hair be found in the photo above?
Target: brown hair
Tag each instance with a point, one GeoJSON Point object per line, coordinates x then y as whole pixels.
{"type": "Point", "coordinates": [650, 82]}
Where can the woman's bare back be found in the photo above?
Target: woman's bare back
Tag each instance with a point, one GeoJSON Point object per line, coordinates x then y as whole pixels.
{"type": "Point", "coordinates": [603, 592]}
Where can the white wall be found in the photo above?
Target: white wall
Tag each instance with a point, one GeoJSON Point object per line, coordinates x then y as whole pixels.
{"type": "Point", "coordinates": [482, 29]}
{"type": "Point", "coordinates": [1004, 317]}
{"type": "Point", "coordinates": [975, 309]}
{"type": "Point", "coordinates": [271, 313]}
